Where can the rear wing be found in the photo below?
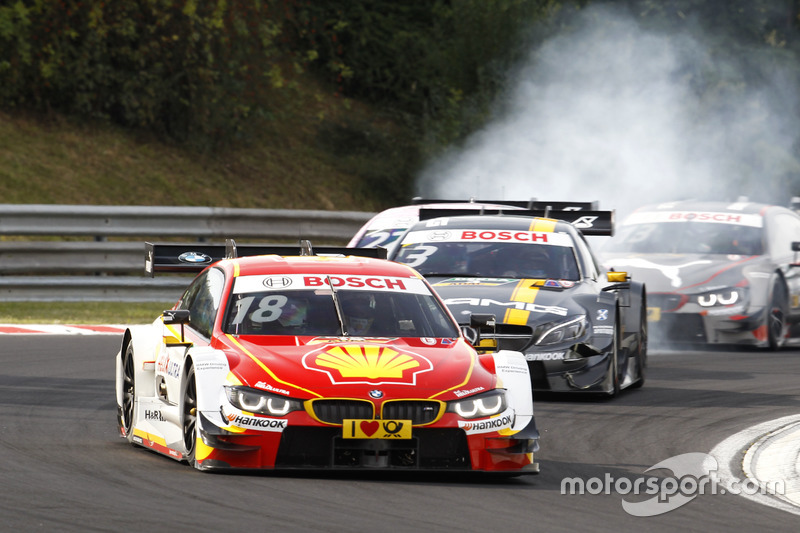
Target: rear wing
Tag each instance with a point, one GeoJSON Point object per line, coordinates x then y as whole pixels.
{"type": "Point", "coordinates": [532, 204]}
{"type": "Point", "coordinates": [194, 257]}
{"type": "Point", "coordinates": [589, 222]}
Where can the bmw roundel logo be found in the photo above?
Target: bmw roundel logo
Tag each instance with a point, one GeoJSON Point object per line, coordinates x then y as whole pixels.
{"type": "Point", "coordinates": [194, 257]}
{"type": "Point", "coordinates": [375, 394]}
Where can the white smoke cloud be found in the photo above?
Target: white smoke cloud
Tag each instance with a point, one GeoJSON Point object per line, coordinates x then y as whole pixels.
{"type": "Point", "coordinates": [610, 111]}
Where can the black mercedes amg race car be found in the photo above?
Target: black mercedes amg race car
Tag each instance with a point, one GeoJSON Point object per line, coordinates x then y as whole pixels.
{"type": "Point", "coordinates": [580, 328]}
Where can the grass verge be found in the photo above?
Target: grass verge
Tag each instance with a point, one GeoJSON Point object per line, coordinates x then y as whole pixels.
{"type": "Point", "coordinates": [81, 312]}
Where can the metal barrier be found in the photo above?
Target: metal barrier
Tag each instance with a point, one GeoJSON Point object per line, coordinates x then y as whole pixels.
{"type": "Point", "coordinates": [94, 268]}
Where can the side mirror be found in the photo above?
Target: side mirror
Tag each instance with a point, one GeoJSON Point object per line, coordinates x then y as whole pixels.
{"type": "Point", "coordinates": [617, 277]}
{"type": "Point", "coordinates": [481, 332]}
{"type": "Point", "coordinates": [175, 316]}
{"type": "Point", "coordinates": [795, 249]}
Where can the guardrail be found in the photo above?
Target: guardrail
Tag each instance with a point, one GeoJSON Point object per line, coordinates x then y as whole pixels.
{"type": "Point", "coordinates": [90, 267]}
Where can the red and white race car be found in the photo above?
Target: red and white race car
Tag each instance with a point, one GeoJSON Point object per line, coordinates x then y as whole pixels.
{"type": "Point", "coordinates": [280, 358]}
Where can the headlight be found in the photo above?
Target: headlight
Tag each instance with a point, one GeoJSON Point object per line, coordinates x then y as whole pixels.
{"type": "Point", "coordinates": [721, 297]}
{"type": "Point", "coordinates": [265, 403]}
{"type": "Point", "coordinates": [556, 333]}
{"type": "Point", "coordinates": [480, 405]}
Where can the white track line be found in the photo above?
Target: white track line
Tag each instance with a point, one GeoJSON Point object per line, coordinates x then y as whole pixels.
{"type": "Point", "coordinates": [766, 453]}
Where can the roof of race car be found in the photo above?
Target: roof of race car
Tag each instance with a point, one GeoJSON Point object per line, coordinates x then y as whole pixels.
{"type": "Point", "coordinates": [502, 222]}
{"type": "Point", "coordinates": [745, 207]}
{"type": "Point", "coordinates": [317, 264]}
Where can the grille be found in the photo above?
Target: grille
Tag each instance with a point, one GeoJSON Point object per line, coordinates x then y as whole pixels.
{"type": "Point", "coordinates": [513, 337]}
{"type": "Point", "coordinates": [335, 411]}
{"type": "Point", "coordinates": [677, 328]}
{"type": "Point", "coordinates": [418, 411]}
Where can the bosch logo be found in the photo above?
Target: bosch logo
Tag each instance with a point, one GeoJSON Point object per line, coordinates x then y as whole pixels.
{"type": "Point", "coordinates": [277, 282]}
{"type": "Point", "coordinates": [194, 257]}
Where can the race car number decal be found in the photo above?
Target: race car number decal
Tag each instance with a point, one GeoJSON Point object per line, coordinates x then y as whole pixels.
{"type": "Point", "coordinates": [376, 429]}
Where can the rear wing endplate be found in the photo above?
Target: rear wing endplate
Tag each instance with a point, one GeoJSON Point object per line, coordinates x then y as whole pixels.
{"type": "Point", "coordinates": [587, 222]}
{"type": "Point", "coordinates": [194, 257]}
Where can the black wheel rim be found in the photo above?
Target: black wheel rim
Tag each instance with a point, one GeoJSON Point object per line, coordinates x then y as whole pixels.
{"type": "Point", "coordinates": [127, 389]}
{"type": "Point", "coordinates": [189, 414]}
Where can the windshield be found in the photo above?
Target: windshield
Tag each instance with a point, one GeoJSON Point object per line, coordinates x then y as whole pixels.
{"type": "Point", "coordinates": [370, 306]}
{"type": "Point", "coordinates": [687, 238]}
{"type": "Point", "coordinates": [492, 259]}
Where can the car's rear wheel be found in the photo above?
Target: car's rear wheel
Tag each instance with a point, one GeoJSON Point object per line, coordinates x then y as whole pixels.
{"type": "Point", "coordinates": [128, 396]}
{"type": "Point", "coordinates": [189, 413]}
{"type": "Point", "coordinates": [777, 324]}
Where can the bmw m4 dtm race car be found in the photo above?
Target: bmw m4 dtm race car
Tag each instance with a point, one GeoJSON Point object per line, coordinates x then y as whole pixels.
{"type": "Point", "coordinates": [582, 329]}
{"type": "Point", "coordinates": [328, 358]}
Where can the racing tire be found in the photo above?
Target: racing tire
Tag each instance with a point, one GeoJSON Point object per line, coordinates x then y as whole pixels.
{"type": "Point", "coordinates": [641, 351]}
{"type": "Point", "coordinates": [614, 366]}
{"type": "Point", "coordinates": [189, 416]}
{"type": "Point", "coordinates": [777, 324]}
{"type": "Point", "coordinates": [125, 418]}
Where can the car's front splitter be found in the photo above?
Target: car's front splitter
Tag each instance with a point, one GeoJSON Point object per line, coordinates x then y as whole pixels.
{"type": "Point", "coordinates": [315, 448]}
{"type": "Point", "coordinates": [574, 373]}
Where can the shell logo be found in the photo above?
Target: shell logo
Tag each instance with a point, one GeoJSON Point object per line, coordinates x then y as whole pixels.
{"type": "Point", "coordinates": [375, 364]}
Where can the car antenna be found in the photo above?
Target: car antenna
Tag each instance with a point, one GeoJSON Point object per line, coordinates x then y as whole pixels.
{"type": "Point", "coordinates": [547, 209]}
{"type": "Point", "coordinates": [306, 248]}
{"type": "Point", "coordinates": [230, 249]}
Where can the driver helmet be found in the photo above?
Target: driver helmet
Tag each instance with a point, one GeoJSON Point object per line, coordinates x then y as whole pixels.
{"type": "Point", "coordinates": [359, 312]}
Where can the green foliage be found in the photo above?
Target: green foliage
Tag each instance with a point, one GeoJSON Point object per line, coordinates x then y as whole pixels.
{"type": "Point", "coordinates": [192, 70]}
{"type": "Point", "coordinates": [431, 59]}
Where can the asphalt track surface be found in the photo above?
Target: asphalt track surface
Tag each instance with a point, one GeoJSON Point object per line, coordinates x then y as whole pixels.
{"type": "Point", "coordinates": [63, 467]}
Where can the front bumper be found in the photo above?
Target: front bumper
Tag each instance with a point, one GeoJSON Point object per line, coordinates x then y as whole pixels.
{"type": "Point", "coordinates": [572, 373]}
{"type": "Point", "coordinates": [707, 327]}
{"type": "Point", "coordinates": [324, 448]}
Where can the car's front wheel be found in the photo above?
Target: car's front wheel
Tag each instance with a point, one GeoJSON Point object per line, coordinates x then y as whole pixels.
{"type": "Point", "coordinates": [128, 393]}
{"type": "Point", "coordinates": [189, 415]}
{"type": "Point", "coordinates": [613, 367]}
{"type": "Point", "coordinates": [777, 324]}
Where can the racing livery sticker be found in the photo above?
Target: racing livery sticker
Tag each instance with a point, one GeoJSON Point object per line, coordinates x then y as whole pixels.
{"type": "Point", "coordinates": [545, 356]}
{"type": "Point", "coordinates": [482, 235]}
{"type": "Point", "coordinates": [740, 219]}
{"type": "Point", "coordinates": [245, 284]}
{"type": "Point", "coordinates": [243, 421]}
{"type": "Point", "coordinates": [484, 282]}
{"type": "Point", "coordinates": [498, 423]}
{"type": "Point", "coordinates": [373, 364]}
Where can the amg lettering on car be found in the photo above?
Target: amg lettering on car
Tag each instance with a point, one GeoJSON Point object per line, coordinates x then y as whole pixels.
{"type": "Point", "coordinates": [522, 306]}
{"type": "Point", "coordinates": [355, 282]}
{"type": "Point", "coordinates": [526, 236]}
